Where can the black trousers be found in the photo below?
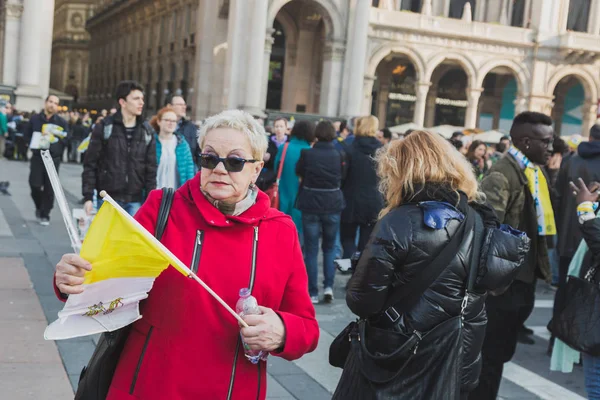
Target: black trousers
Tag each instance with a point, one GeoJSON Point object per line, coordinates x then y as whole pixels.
{"type": "Point", "coordinates": [41, 188]}
{"type": "Point", "coordinates": [506, 314]}
{"type": "Point", "coordinates": [348, 237]}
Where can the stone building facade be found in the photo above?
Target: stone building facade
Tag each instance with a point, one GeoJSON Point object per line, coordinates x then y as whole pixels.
{"type": "Point", "coordinates": [25, 51]}
{"type": "Point", "coordinates": [471, 63]}
{"type": "Point", "coordinates": [70, 42]}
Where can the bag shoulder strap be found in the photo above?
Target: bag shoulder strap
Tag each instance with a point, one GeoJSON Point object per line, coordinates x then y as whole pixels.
{"type": "Point", "coordinates": [402, 301]}
{"type": "Point", "coordinates": [280, 170]}
{"type": "Point", "coordinates": [163, 212]}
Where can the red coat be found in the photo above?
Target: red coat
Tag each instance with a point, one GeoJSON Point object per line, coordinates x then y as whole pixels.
{"type": "Point", "coordinates": [190, 338]}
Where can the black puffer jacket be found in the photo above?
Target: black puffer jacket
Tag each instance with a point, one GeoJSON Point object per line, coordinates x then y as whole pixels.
{"type": "Point", "coordinates": [585, 165]}
{"type": "Point", "coordinates": [363, 199]}
{"type": "Point", "coordinates": [322, 170]}
{"type": "Point", "coordinates": [126, 172]}
{"type": "Point", "coordinates": [404, 242]}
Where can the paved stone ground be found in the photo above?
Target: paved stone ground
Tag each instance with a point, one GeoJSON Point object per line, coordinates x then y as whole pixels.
{"type": "Point", "coordinates": [527, 377]}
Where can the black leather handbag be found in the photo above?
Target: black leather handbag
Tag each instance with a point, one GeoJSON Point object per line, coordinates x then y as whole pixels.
{"type": "Point", "coordinates": [577, 323]}
{"type": "Point", "coordinates": [388, 364]}
{"type": "Point", "coordinates": [96, 377]}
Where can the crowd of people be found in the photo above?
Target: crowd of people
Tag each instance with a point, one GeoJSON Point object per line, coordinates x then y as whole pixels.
{"type": "Point", "coordinates": [448, 240]}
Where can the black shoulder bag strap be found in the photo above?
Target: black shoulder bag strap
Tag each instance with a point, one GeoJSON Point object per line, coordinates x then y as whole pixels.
{"type": "Point", "coordinates": [96, 376]}
{"type": "Point", "coordinates": [163, 212]}
{"type": "Point", "coordinates": [402, 300]}
{"type": "Point", "coordinates": [478, 231]}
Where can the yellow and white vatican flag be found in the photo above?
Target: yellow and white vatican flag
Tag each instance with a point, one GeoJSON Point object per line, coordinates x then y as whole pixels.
{"type": "Point", "coordinates": [126, 259]}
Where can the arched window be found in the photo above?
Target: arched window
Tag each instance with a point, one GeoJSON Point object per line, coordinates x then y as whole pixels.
{"type": "Point", "coordinates": [411, 5]}
{"type": "Point", "coordinates": [579, 14]}
{"type": "Point", "coordinates": [457, 7]}
{"type": "Point", "coordinates": [518, 13]}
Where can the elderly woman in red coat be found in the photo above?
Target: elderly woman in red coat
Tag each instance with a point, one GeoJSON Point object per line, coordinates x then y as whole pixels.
{"type": "Point", "coordinates": [185, 346]}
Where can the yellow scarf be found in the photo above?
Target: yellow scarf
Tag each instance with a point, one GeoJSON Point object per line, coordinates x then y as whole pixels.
{"type": "Point", "coordinates": [538, 186]}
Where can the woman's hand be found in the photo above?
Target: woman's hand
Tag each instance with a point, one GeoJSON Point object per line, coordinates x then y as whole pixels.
{"type": "Point", "coordinates": [69, 273]}
{"type": "Point", "coordinates": [265, 332]}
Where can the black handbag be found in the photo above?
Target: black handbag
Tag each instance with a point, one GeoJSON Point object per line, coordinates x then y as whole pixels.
{"type": "Point", "coordinates": [388, 364]}
{"type": "Point", "coordinates": [96, 376]}
{"type": "Point", "coordinates": [577, 322]}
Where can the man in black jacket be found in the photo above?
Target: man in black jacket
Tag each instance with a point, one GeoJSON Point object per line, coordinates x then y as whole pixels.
{"type": "Point", "coordinates": [121, 157]}
{"type": "Point", "coordinates": [185, 127]}
{"type": "Point", "coordinates": [45, 131]}
{"type": "Point", "coordinates": [585, 165]}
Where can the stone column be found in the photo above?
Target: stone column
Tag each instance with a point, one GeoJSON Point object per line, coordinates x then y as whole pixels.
{"type": "Point", "coordinates": [430, 106]}
{"type": "Point", "coordinates": [594, 18]}
{"type": "Point", "coordinates": [589, 111]}
{"type": "Point", "coordinates": [206, 25]}
{"type": "Point", "coordinates": [12, 28]}
{"type": "Point", "coordinates": [354, 100]}
{"type": "Point", "coordinates": [382, 100]}
{"type": "Point", "coordinates": [367, 96]}
{"type": "Point", "coordinates": [35, 53]}
{"type": "Point", "coordinates": [331, 83]}
{"type": "Point", "coordinates": [255, 75]}
{"type": "Point", "coordinates": [473, 96]}
{"type": "Point", "coordinates": [269, 40]}
{"type": "Point", "coordinates": [421, 89]}
{"type": "Point", "coordinates": [563, 16]}
{"type": "Point", "coordinates": [236, 63]}
{"type": "Point", "coordinates": [520, 104]}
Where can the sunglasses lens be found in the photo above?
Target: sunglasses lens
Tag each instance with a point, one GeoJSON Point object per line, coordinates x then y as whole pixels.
{"type": "Point", "coordinates": [233, 164]}
{"type": "Point", "coordinates": [209, 161]}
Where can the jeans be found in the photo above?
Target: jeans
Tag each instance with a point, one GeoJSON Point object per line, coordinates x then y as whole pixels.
{"type": "Point", "coordinates": [130, 208]}
{"type": "Point", "coordinates": [312, 225]}
{"type": "Point", "coordinates": [591, 369]}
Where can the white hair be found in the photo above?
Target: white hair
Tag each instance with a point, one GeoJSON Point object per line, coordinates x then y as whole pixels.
{"type": "Point", "coordinates": [241, 121]}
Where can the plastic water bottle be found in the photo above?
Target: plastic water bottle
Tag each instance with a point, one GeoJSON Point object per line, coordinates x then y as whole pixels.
{"type": "Point", "coordinates": [247, 305]}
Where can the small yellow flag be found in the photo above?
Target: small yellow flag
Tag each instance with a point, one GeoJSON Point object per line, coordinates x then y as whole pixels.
{"type": "Point", "coordinates": [117, 249]}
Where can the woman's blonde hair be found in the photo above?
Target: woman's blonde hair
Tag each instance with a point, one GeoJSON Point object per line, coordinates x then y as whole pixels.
{"type": "Point", "coordinates": [241, 121]}
{"type": "Point", "coordinates": [366, 126]}
{"type": "Point", "coordinates": [405, 166]}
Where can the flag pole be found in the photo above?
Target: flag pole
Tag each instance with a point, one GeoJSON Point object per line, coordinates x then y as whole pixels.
{"type": "Point", "coordinates": [61, 200]}
{"type": "Point", "coordinates": [181, 266]}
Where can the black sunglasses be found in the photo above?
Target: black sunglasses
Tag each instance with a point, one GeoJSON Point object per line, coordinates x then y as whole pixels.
{"type": "Point", "coordinates": [232, 164]}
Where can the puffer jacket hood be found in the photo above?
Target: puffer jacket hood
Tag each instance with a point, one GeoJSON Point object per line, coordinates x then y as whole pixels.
{"type": "Point", "coordinates": [366, 144]}
{"type": "Point", "coordinates": [589, 149]}
{"type": "Point", "coordinates": [404, 242]}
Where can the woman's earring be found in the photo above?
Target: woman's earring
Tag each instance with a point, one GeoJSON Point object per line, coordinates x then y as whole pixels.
{"type": "Point", "coordinates": [252, 185]}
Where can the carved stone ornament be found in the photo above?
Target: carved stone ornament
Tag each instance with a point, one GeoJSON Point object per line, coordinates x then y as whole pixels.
{"type": "Point", "coordinates": [14, 11]}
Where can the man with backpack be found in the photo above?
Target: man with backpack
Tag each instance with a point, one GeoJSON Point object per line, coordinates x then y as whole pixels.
{"type": "Point", "coordinates": [121, 157]}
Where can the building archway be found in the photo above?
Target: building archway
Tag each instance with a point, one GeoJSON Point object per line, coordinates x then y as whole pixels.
{"type": "Point", "coordinates": [575, 92]}
{"type": "Point", "coordinates": [333, 18]}
{"type": "Point", "coordinates": [395, 92]}
{"type": "Point", "coordinates": [502, 86]}
{"type": "Point", "coordinates": [299, 62]}
{"type": "Point", "coordinates": [447, 98]}
{"type": "Point", "coordinates": [568, 110]}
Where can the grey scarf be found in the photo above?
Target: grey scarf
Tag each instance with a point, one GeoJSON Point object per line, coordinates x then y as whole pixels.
{"type": "Point", "coordinates": [234, 209]}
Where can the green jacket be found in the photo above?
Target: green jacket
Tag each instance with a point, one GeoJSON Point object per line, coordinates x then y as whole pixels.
{"type": "Point", "coordinates": [505, 187]}
{"type": "Point", "coordinates": [3, 125]}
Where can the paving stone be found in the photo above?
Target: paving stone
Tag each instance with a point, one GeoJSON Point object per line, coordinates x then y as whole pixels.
{"type": "Point", "coordinates": [27, 381]}
{"type": "Point", "coordinates": [27, 343]}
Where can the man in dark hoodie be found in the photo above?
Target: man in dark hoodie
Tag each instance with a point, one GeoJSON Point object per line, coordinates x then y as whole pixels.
{"type": "Point", "coordinates": [584, 164]}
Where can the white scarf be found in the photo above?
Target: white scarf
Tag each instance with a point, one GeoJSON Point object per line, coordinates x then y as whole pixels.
{"type": "Point", "coordinates": [166, 174]}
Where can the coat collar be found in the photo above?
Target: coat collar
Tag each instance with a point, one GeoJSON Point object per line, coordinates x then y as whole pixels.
{"type": "Point", "coordinates": [259, 211]}
{"type": "Point", "coordinates": [515, 164]}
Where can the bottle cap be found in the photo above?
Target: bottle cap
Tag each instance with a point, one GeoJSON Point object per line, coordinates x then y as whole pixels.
{"type": "Point", "coordinates": [245, 292]}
